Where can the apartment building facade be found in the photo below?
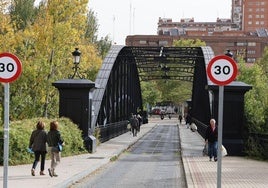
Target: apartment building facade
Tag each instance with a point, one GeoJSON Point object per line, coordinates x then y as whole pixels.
{"type": "Point", "coordinates": [245, 33]}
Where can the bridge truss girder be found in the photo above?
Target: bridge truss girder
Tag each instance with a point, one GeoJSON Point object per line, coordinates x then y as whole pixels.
{"type": "Point", "coordinates": [118, 91]}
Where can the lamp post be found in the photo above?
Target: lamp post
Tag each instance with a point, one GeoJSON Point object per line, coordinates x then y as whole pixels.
{"type": "Point", "coordinates": [229, 53]}
{"type": "Point", "coordinates": [76, 55]}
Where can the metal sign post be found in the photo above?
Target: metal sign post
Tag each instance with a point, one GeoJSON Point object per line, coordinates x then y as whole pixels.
{"type": "Point", "coordinates": [220, 118]}
{"type": "Point", "coordinates": [221, 70]}
{"type": "Point", "coordinates": [10, 70]}
{"type": "Point", "coordinates": [6, 134]}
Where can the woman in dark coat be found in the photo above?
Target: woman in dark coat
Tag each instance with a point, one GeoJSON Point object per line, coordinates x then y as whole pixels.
{"type": "Point", "coordinates": [38, 145]}
{"type": "Point", "coordinates": [53, 139]}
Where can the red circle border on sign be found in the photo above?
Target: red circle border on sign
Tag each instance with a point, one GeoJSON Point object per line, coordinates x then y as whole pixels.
{"type": "Point", "coordinates": [226, 82]}
{"type": "Point", "coordinates": [19, 67]}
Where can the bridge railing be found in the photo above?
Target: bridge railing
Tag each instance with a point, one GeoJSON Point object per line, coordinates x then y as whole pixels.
{"type": "Point", "coordinates": [256, 142]}
{"type": "Point", "coordinates": [201, 127]}
{"type": "Point", "coordinates": [112, 130]}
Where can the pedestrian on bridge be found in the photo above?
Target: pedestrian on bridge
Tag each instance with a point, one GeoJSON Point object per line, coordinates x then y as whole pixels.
{"type": "Point", "coordinates": [180, 118]}
{"type": "Point", "coordinates": [211, 138]}
{"type": "Point", "coordinates": [139, 122]}
{"type": "Point", "coordinates": [134, 124]}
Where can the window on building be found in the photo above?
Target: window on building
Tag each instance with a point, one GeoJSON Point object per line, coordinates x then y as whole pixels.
{"type": "Point", "coordinates": [250, 23]}
{"type": "Point", "coordinates": [163, 43]}
{"type": "Point", "coordinates": [251, 43]}
{"type": "Point", "coordinates": [143, 41]}
{"type": "Point", "coordinates": [251, 52]}
{"type": "Point", "coordinates": [152, 43]}
{"type": "Point", "coordinates": [241, 44]}
{"type": "Point", "coordinates": [251, 60]}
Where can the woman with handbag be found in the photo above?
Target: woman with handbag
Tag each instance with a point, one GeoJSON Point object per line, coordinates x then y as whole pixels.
{"type": "Point", "coordinates": [37, 144]}
{"type": "Point", "coordinates": [53, 140]}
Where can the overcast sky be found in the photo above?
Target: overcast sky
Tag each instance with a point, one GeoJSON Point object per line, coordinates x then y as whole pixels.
{"type": "Point", "coordinates": [119, 18]}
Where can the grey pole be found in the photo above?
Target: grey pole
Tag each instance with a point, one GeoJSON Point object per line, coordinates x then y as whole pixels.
{"type": "Point", "coordinates": [6, 134]}
{"type": "Point", "coordinates": [220, 118]}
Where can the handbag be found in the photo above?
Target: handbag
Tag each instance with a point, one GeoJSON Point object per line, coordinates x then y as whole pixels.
{"type": "Point", "coordinates": [223, 151]}
{"type": "Point", "coordinates": [205, 150]}
{"type": "Point", "coordinates": [30, 150]}
{"type": "Point", "coordinates": [59, 147]}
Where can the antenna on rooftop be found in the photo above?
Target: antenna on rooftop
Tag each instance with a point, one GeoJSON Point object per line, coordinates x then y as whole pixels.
{"type": "Point", "coordinates": [130, 17]}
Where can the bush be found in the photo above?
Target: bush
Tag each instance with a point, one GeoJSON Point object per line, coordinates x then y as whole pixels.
{"type": "Point", "coordinates": [19, 136]}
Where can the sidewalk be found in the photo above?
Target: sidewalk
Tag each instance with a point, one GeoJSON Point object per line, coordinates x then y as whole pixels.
{"type": "Point", "coordinates": [236, 171]}
{"type": "Point", "coordinates": [72, 169]}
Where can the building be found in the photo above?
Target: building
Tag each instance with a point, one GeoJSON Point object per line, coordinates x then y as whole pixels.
{"type": "Point", "coordinates": [245, 33]}
{"type": "Point", "coordinates": [255, 14]}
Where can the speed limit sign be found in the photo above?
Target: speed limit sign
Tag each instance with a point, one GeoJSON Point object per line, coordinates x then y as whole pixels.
{"type": "Point", "coordinates": [222, 70]}
{"type": "Point", "coordinates": [10, 67]}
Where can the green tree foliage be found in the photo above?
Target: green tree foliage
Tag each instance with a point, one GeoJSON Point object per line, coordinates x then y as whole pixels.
{"type": "Point", "coordinates": [188, 43]}
{"type": "Point", "coordinates": [20, 132]}
{"type": "Point", "coordinates": [263, 63]}
{"type": "Point", "coordinates": [256, 100]}
{"type": "Point", "coordinates": [104, 44]}
{"type": "Point", "coordinates": [44, 47]}
{"type": "Point", "coordinates": [22, 13]}
{"type": "Point", "coordinates": [150, 94]}
{"type": "Point", "coordinates": [91, 27]}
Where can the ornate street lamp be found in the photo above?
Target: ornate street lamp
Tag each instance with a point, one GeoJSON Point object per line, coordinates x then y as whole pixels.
{"type": "Point", "coordinates": [229, 53]}
{"type": "Point", "coordinates": [76, 55]}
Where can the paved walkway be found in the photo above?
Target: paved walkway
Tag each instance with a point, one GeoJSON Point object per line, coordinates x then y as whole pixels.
{"type": "Point", "coordinates": [236, 171]}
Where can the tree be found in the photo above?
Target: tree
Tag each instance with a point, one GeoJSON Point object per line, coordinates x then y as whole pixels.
{"type": "Point", "coordinates": [44, 48]}
{"type": "Point", "coordinates": [150, 94]}
{"type": "Point", "coordinates": [22, 13]}
{"type": "Point", "coordinates": [256, 100]}
{"type": "Point", "coordinates": [104, 44]}
{"type": "Point", "coordinates": [91, 27]}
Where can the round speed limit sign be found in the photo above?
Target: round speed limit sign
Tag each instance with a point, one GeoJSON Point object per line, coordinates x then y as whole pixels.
{"type": "Point", "coordinates": [222, 70]}
{"type": "Point", "coordinates": [10, 67]}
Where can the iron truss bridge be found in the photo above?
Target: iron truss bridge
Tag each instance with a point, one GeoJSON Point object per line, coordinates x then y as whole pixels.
{"type": "Point", "coordinates": [118, 92]}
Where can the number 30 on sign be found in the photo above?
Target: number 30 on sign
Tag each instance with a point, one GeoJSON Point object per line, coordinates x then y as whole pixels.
{"type": "Point", "coordinates": [222, 70]}
{"type": "Point", "coordinates": [10, 67]}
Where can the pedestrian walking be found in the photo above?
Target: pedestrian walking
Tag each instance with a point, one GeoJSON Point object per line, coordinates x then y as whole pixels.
{"type": "Point", "coordinates": [188, 120]}
{"type": "Point", "coordinates": [134, 125]}
{"type": "Point", "coordinates": [37, 144]}
{"type": "Point", "coordinates": [139, 122]}
{"type": "Point", "coordinates": [180, 118]}
{"type": "Point", "coordinates": [53, 140]}
{"type": "Point", "coordinates": [211, 139]}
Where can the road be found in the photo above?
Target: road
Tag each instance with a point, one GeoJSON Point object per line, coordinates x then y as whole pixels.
{"type": "Point", "coordinates": [154, 161]}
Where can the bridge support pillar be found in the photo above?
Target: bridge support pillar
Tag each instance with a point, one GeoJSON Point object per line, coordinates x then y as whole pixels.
{"type": "Point", "coordinates": [75, 103]}
{"type": "Point", "coordinates": [234, 132]}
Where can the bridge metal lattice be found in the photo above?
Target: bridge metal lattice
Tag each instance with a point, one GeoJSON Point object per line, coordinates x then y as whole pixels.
{"type": "Point", "coordinates": [118, 92]}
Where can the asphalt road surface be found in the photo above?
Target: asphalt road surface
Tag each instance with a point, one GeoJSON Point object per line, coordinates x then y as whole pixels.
{"type": "Point", "coordinates": [153, 162]}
